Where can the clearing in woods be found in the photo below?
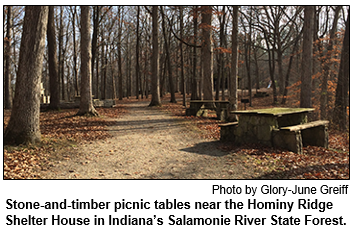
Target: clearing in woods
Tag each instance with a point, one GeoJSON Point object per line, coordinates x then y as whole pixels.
{"type": "Point", "coordinates": [148, 143]}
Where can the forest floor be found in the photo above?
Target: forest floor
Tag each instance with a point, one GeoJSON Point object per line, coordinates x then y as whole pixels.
{"type": "Point", "coordinates": [134, 141]}
{"type": "Point", "coordinates": [148, 143]}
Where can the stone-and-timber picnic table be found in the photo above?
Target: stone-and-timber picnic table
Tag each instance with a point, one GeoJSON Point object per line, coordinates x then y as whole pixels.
{"type": "Point", "coordinates": [201, 107]}
{"type": "Point", "coordinates": [283, 127]}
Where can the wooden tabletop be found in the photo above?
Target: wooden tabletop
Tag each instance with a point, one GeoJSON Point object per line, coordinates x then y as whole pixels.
{"type": "Point", "coordinates": [274, 111]}
{"type": "Point", "coordinates": [208, 101]}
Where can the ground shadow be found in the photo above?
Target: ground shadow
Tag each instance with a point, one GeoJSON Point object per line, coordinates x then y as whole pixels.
{"type": "Point", "coordinates": [151, 124]}
{"type": "Point", "coordinates": [210, 148]}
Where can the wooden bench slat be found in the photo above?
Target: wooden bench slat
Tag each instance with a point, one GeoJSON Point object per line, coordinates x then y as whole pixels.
{"type": "Point", "coordinates": [305, 125]}
{"type": "Point", "coordinates": [209, 101]}
{"type": "Point", "coordinates": [228, 124]}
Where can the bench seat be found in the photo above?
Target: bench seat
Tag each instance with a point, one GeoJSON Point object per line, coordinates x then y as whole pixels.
{"type": "Point", "coordinates": [201, 107]}
{"type": "Point", "coordinates": [295, 137]}
{"type": "Point", "coordinates": [227, 131]}
{"type": "Point", "coordinates": [306, 125]}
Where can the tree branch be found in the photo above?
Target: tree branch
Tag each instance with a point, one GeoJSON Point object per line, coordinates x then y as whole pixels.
{"type": "Point", "coordinates": [188, 44]}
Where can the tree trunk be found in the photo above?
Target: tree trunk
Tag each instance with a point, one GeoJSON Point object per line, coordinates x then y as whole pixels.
{"type": "Point", "coordinates": [23, 126]}
{"type": "Point", "coordinates": [256, 67]}
{"type": "Point", "coordinates": [114, 89]}
{"type": "Point", "coordinates": [234, 67]}
{"type": "Point", "coordinates": [280, 64]}
{"type": "Point", "coordinates": [128, 66]}
{"type": "Point", "coordinates": [342, 91]}
{"type": "Point", "coordinates": [181, 56]}
{"type": "Point", "coordinates": [86, 104]}
{"type": "Point", "coordinates": [207, 64]}
{"type": "Point", "coordinates": [220, 56]}
{"type": "Point", "coordinates": [168, 57]}
{"type": "Point", "coordinates": [287, 77]}
{"type": "Point", "coordinates": [76, 76]}
{"type": "Point", "coordinates": [163, 73]}
{"type": "Point", "coordinates": [195, 35]}
{"type": "Point", "coordinates": [119, 48]}
{"type": "Point", "coordinates": [7, 77]}
{"type": "Point", "coordinates": [306, 71]}
{"type": "Point", "coordinates": [137, 69]}
{"type": "Point", "coordinates": [95, 20]}
{"type": "Point", "coordinates": [155, 98]}
{"type": "Point", "coordinates": [52, 62]}
{"type": "Point", "coordinates": [327, 63]}
{"type": "Point", "coordinates": [104, 71]}
{"type": "Point", "coordinates": [61, 56]}
{"type": "Point", "coordinates": [248, 66]}
{"type": "Point", "coordinates": [98, 92]}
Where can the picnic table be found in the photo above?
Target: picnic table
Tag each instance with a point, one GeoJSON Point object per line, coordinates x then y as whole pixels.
{"type": "Point", "coordinates": [283, 127]}
{"type": "Point", "coordinates": [201, 107]}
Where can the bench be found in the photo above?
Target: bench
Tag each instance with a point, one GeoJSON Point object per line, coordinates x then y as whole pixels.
{"type": "Point", "coordinates": [261, 94]}
{"type": "Point", "coordinates": [227, 131]}
{"type": "Point", "coordinates": [295, 137]}
{"type": "Point", "coordinates": [201, 107]}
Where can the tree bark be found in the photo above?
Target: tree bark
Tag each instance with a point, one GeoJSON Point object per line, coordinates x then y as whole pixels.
{"type": "Point", "coordinates": [181, 56]}
{"type": "Point", "coordinates": [23, 126]}
{"type": "Point", "coordinates": [168, 57]}
{"type": "Point", "coordinates": [76, 76]}
{"type": "Point", "coordinates": [119, 48]}
{"type": "Point", "coordinates": [287, 77]}
{"type": "Point", "coordinates": [128, 65]}
{"type": "Point", "coordinates": [155, 90]}
{"type": "Point", "coordinates": [86, 104]}
{"type": "Point", "coordinates": [53, 62]}
{"type": "Point", "coordinates": [306, 71]}
{"type": "Point", "coordinates": [342, 91]}
{"type": "Point", "coordinates": [327, 63]}
{"type": "Point", "coordinates": [95, 20]}
{"type": "Point", "coordinates": [61, 56]}
{"type": "Point", "coordinates": [220, 56]}
{"type": "Point", "coordinates": [194, 95]}
{"type": "Point", "coordinates": [137, 53]}
{"type": "Point", "coordinates": [7, 77]}
{"type": "Point", "coordinates": [207, 64]}
{"type": "Point", "coordinates": [234, 67]}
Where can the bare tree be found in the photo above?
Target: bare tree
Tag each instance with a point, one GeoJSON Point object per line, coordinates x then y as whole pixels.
{"type": "Point", "coordinates": [61, 53]}
{"type": "Point", "coordinates": [23, 126]}
{"type": "Point", "coordinates": [86, 104]}
{"type": "Point", "coordinates": [53, 62]}
{"type": "Point", "coordinates": [194, 95]}
{"type": "Point", "coordinates": [155, 99]}
{"type": "Point", "coordinates": [168, 58]}
{"type": "Point", "coordinates": [207, 64]}
{"type": "Point", "coordinates": [137, 53]}
{"type": "Point", "coordinates": [306, 71]}
{"type": "Point", "coordinates": [342, 91]}
{"type": "Point", "coordinates": [234, 66]}
{"type": "Point", "coordinates": [76, 76]}
{"type": "Point", "coordinates": [7, 77]}
{"type": "Point", "coordinates": [327, 63]}
{"type": "Point", "coordinates": [119, 50]}
{"type": "Point", "coordinates": [181, 56]}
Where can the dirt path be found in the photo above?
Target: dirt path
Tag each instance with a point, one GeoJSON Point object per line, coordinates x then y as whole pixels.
{"type": "Point", "coordinates": [148, 143]}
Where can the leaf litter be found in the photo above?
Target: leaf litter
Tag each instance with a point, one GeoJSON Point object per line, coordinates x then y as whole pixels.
{"type": "Point", "coordinates": [59, 129]}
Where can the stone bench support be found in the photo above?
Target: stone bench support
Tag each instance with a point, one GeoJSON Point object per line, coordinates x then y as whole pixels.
{"type": "Point", "coordinates": [227, 131]}
{"type": "Point", "coordinates": [295, 137]}
{"type": "Point", "coordinates": [200, 108]}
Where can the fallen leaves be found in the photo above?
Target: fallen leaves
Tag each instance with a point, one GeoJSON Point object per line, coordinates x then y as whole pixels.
{"type": "Point", "coordinates": [273, 163]}
{"type": "Point", "coordinates": [19, 162]}
{"type": "Point", "coordinates": [59, 129]}
{"type": "Point", "coordinates": [315, 163]}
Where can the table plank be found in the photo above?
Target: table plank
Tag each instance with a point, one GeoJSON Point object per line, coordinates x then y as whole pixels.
{"type": "Point", "coordinates": [274, 111]}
